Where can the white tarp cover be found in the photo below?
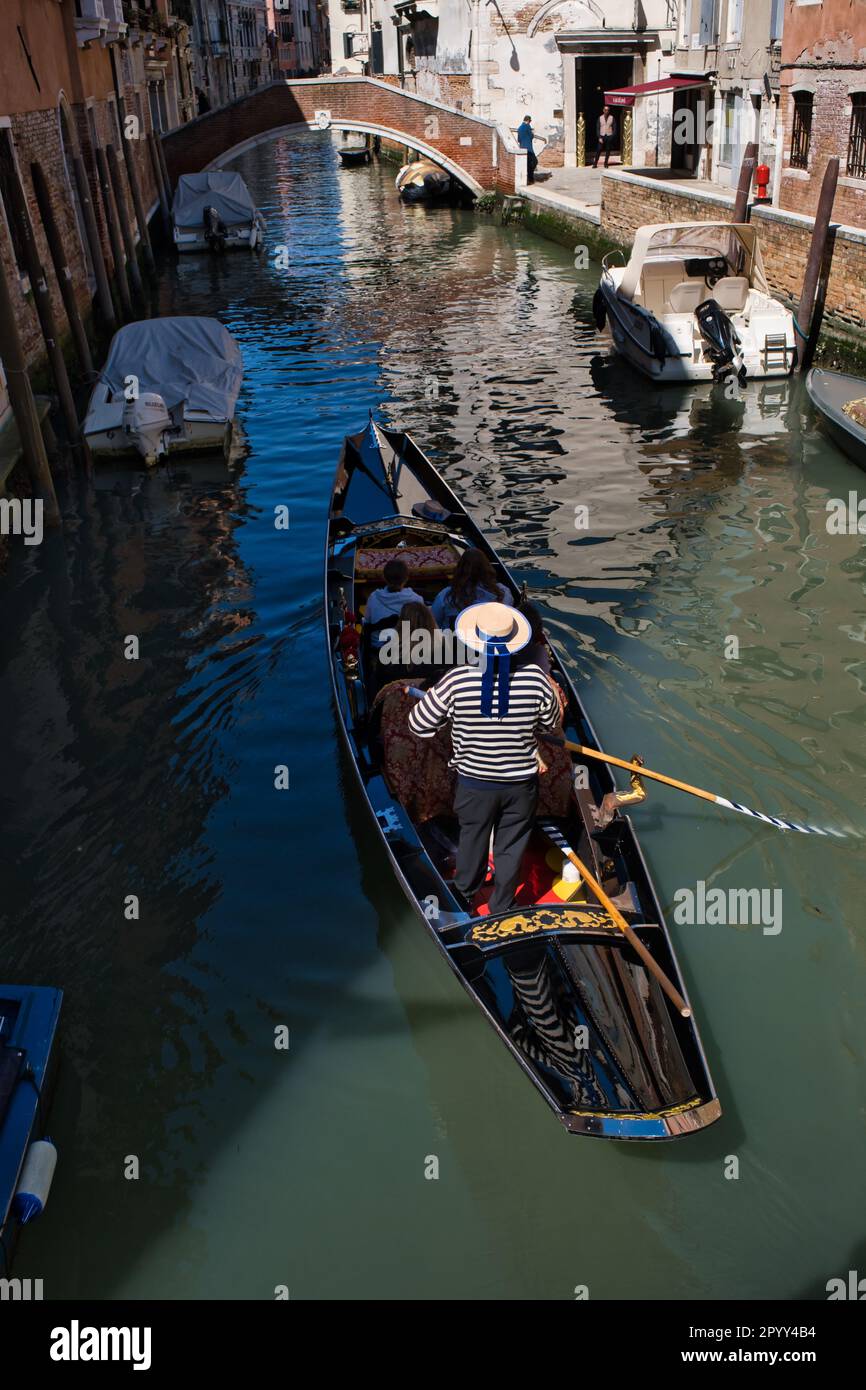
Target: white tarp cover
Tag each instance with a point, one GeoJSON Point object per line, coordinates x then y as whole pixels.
{"type": "Point", "coordinates": [215, 189]}
{"type": "Point", "coordinates": [190, 361]}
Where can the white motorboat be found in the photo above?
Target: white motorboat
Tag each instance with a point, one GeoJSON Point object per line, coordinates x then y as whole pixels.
{"type": "Point", "coordinates": [213, 211]}
{"type": "Point", "coordinates": [693, 304]}
{"type": "Point", "coordinates": [168, 386]}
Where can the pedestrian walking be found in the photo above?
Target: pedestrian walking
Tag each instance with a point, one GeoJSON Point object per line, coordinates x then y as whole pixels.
{"type": "Point", "coordinates": [524, 139]}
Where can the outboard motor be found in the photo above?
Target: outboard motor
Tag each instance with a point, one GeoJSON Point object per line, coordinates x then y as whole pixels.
{"type": "Point", "coordinates": [215, 230]}
{"type": "Point", "coordinates": [721, 341]}
{"type": "Point", "coordinates": [146, 422]}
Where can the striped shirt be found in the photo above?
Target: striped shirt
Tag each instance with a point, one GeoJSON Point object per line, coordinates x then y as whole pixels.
{"type": "Point", "coordinates": [497, 749]}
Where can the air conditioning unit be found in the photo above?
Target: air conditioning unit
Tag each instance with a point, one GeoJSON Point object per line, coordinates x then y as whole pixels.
{"type": "Point", "coordinates": [90, 21]}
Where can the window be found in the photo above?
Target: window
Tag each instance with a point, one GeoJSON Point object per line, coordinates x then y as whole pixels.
{"type": "Point", "coordinates": [709, 22]}
{"type": "Point", "coordinates": [777, 20]}
{"type": "Point", "coordinates": [8, 186]}
{"type": "Point", "coordinates": [857, 137]}
{"type": "Point", "coordinates": [801, 132]}
{"type": "Point", "coordinates": [735, 20]}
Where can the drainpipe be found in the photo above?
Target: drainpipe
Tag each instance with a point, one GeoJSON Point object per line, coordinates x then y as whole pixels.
{"type": "Point", "coordinates": [476, 60]}
{"type": "Point", "coordinates": [780, 155]}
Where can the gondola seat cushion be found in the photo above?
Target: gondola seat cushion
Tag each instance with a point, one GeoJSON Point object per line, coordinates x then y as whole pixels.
{"type": "Point", "coordinates": [424, 561]}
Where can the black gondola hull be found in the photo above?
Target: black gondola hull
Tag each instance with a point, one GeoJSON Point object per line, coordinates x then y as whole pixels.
{"type": "Point", "coordinates": [572, 1003]}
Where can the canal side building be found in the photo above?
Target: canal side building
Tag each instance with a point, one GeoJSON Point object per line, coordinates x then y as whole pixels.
{"type": "Point", "coordinates": [734, 48]}
{"type": "Point", "coordinates": [299, 29]}
{"type": "Point", "coordinates": [80, 80]}
{"type": "Point", "coordinates": [823, 80]}
{"type": "Point", "coordinates": [552, 58]}
{"type": "Point", "coordinates": [231, 52]}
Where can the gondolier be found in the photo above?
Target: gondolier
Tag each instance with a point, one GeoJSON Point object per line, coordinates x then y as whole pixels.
{"type": "Point", "coordinates": [494, 709]}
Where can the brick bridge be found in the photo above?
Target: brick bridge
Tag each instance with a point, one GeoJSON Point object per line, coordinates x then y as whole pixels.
{"type": "Point", "coordinates": [481, 154]}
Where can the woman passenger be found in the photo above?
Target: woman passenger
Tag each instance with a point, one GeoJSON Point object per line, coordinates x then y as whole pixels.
{"type": "Point", "coordinates": [474, 582]}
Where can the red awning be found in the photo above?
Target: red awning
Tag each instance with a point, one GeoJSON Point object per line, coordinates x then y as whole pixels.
{"type": "Point", "coordinates": [625, 96]}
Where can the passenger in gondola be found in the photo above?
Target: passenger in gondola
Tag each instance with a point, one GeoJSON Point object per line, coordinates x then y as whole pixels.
{"type": "Point", "coordinates": [538, 650]}
{"type": "Point", "coordinates": [495, 710]}
{"type": "Point", "coordinates": [387, 602]}
{"type": "Point", "coordinates": [474, 582]}
{"type": "Point", "coordinates": [409, 649]}
{"type": "Point", "coordinates": [416, 770]}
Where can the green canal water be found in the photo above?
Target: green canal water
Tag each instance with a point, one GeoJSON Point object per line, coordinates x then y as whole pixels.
{"type": "Point", "coordinates": [306, 1168]}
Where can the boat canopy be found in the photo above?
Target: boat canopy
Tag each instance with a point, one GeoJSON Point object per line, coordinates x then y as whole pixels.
{"type": "Point", "coordinates": [212, 189]}
{"type": "Point", "coordinates": [736, 241]}
{"type": "Point", "coordinates": [188, 361]}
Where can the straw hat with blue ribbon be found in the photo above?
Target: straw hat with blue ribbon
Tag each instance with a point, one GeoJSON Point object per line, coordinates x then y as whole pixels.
{"type": "Point", "coordinates": [497, 632]}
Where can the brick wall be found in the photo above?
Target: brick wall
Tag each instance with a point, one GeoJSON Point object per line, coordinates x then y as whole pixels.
{"type": "Point", "coordinates": [831, 125]}
{"type": "Point", "coordinates": [36, 136]}
{"type": "Point", "coordinates": [784, 239]}
{"type": "Point", "coordinates": [824, 51]}
{"type": "Point", "coordinates": [627, 206]}
{"type": "Point", "coordinates": [363, 100]}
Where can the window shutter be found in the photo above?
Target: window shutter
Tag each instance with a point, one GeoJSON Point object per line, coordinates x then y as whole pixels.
{"type": "Point", "coordinates": [377, 57]}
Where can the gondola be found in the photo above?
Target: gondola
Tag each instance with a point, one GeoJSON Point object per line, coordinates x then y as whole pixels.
{"type": "Point", "coordinates": [840, 400]}
{"type": "Point", "coordinates": [566, 993]}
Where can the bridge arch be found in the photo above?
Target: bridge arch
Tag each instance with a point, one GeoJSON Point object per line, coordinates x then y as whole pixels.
{"type": "Point", "coordinates": [478, 152]}
{"type": "Point", "coordinates": [360, 128]}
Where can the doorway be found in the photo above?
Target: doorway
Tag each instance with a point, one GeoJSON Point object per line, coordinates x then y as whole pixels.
{"type": "Point", "coordinates": [595, 76]}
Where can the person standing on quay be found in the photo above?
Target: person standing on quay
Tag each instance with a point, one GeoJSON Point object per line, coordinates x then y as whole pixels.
{"type": "Point", "coordinates": [524, 140]}
{"type": "Point", "coordinates": [606, 133]}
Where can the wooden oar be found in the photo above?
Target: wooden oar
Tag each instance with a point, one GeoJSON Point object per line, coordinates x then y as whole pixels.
{"type": "Point", "coordinates": [554, 833]}
{"type": "Point", "coordinates": [693, 791]}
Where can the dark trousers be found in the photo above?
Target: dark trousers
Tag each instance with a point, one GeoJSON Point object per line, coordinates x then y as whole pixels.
{"type": "Point", "coordinates": [605, 145]}
{"type": "Point", "coordinates": [506, 808]}
{"type": "Point", "coordinates": [531, 166]}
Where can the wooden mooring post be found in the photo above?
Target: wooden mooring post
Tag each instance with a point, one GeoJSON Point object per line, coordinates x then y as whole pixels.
{"type": "Point", "coordinates": [24, 407]}
{"type": "Point", "coordinates": [807, 324]}
{"type": "Point", "coordinates": [160, 182]}
{"type": "Point", "coordinates": [61, 268]}
{"type": "Point", "coordinates": [113, 232]}
{"type": "Point", "coordinates": [744, 187]}
{"type": "Point", "coordinates": [97, 260]}
{"type": "Point", "coordinates": [123, 220]}
{"type": "Point", "coordinates": [19, 213]}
